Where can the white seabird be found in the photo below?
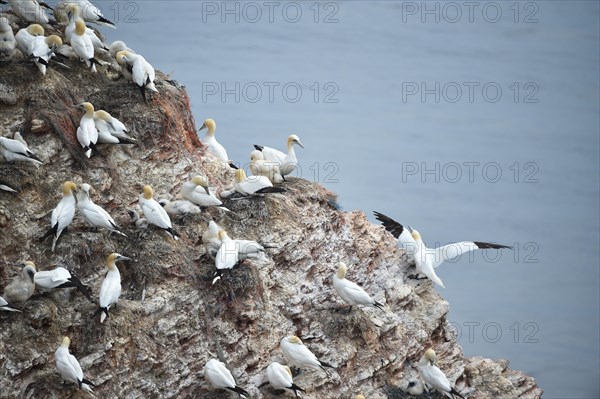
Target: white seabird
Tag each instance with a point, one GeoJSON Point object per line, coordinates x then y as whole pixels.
{"type": "Point", "coordinates": [231, 252]}
{"type": "Point", "coordinates": [60, 277]}
{"type": "Point", "coordinates": [63, 214]}
{"type": "Point", "coordinates": [198, 192]}
{"type": "Point", "coordinates": [69, 368]}
{"type": "Point", "coordinates": [110, 290]}
{"type": "Point", "coordinates": [427, 259]}
{"type": "Point", "coordinates": [110, 129]}
{"type": "Point", "coordinates": [8, 44]}
{"type": "Point", "coordinates": [74, 15]}
{"type": "Point", "coordinates": [115, 47]}
{"type": "Point", "coordinates": [299, 355]}
{"type": "Point", "coordinates": [211, 143]}
{"type": "Point", "coordinates": [17, 150]}
{"type": "Point", "coordinates": [154, 213]}
{"type": "Point", "coordinates": [211, 239]}
{"type": "Point", "coordinates": [268, 169]}
{"type": "Point", "coordinates": [415, 388]}
{"type": "Point", "coordinates": [433, 376]}
{"type": "Point", "coordinates": [87, 134]}
{"type": "Point", "coordinates": [179, 207]}
{"type": "Point", "coordinates": [220, 377]}
{"type": "Point", "coordinates": [24, 37]}
{"type": "Point", "coordinates": [42, 49]}
{"type": "Point", "coordinates": [141, 71]}
{"type": "Point", "coordinates": [253, 185]}
{"type": "Point", "coordinates": [22, 286]}
{"type": "Point", "coordinates": [89, 12]}
{"type": "Point", "coordinates": [287, 162]}
{"type": "Point", "coordinates": [94, 214]}
{"type": "Point", "coordinates": [351, 293]}
{"type": "Point", "coordinates": [29, 10]}
{"type": "Point", "coordinates": [82, 45]}
{"type": "Point", "coordinates": [280, 378]}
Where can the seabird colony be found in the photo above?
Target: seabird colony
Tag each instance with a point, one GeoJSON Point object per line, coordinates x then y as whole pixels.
{"type": "Point", "coordinates": [269, 167]}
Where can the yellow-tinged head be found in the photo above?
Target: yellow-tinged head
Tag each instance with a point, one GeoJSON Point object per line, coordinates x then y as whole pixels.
{"type": "Point", "coordinates": [240, 175]}
{"type": "Point", "coordinates": [416, 235]}
{"type": "Point", "coordinates": [341, 273]}
{"type": "Point", "coordinates": [359, 397]}
{"type": "Point", "coordinates": [210, 125]}
{"type": "Point", "coordinates": [69, 188]}
{"type": "Point", "coordinates": [293, 139]}
{"type": "Point", "coordinates": [430, 355]}
{"type": "Point", "coordinates": [54, 40]}
{"type": "Point", "coordinates": [148, 192]}
{"type": "Point", "coordinates": [35, 30]}
{"type": "Point", "coordinates": [200, 181]}
{"type": "Point", "coordinates": [113, 259]}
{"type": "Point", "coordinates": [66, 342]}
{"type": "Point", "coordinates": [121, 56]}
{"type": "Point", "coordinates": [88, 107]}
{"type": "Point", "coordinates": [294, 340]}
{"type": "Point", "coordinates": [103, 115]}
{"type": "Point", "coordinates": [288, 370]}
{"type": "Point", "coordinates": [80, 27]}
{"type": "Point", "coordinates": [73, 11]}
{"type": "Point", "coordinates": [222, 234]}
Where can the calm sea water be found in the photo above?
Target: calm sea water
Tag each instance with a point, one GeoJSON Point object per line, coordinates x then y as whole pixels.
{"type": "Point", "coordinates": [469, 122]}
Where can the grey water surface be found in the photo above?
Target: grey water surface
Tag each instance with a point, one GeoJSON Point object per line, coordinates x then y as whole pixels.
{"type": "Point", "coordinates": [469, 121]}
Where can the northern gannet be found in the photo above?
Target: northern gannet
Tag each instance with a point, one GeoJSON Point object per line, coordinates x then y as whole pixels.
{"type": "Point", "coordinates": [198, 192]}
{"type": "Point", "coordinates": [82, 45]}
{"type": "Point", "coordinates": [22, 286]}
{"type": "Point", "coordinates": [427, 259]}
{"type": "Point", "coordinates": [89, 12]}
{"type": "Point", "coordinates": [433, 376]}
{"type": "Point", "coordinates": [69, 368]}
{"type": "Point", "coordinates": [8, 44]}
{"type": "Point", "coordinates": [299, 355]}
{"type": "Point", "coordinates": [280, 378]}
{"type": "Point", "coordinates": [287, 162]}
{"type": "Point", "coordinates": [115, 47]}
{"type": "Point", "coordinates": [211, 143]}
{"type": "Point", "coordinates": [42, 49]}
{"type": "Point", "coordinates": [351, 293]}
{"type": "Point", "coordinates": [110, 290]}
{"type": "Point", "coordinates": [415, 388]}
{"type": "Point", "coordinates": [110, 129]}
{"type": "Point", "coordinates": [141, 71]}
{"type": "Point", "coordinates": [254, 184]}
{"type": "Point", "coordinates": [74, 15]}
{"type": "Point", "coordinates": [231, 252]}
{"type": "Point", "coordinates": [63, 214]}
{"type": "Point", "coordinates": [220, 377]}
{"type": "Point", "coordinates": [94, 214]}
{"type": "Point", "coordinates": [24, 37]}
{"type": "Point", "coordinates": [6, 307]}
{"type": "Point", "coordinates": [154, 213]}
{"type": "Point", "coordinates": [17, 150]}
{"type": "Point", "coordinates": [179, 207]}
{"type": "Point", "coordinates": [29, 10]}
{"type": "Point", "coordinates": [60, 277]}
{"type": "Point", "coordinates": [87, 134]}
{"type": "Point", "coordinates": [211, 239]}
{"type": "Point", "coordinates": [260, 167]}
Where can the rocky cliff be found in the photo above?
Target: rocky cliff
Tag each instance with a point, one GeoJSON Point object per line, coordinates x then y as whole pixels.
{"type": "Point", "coordinates": [171, 319]}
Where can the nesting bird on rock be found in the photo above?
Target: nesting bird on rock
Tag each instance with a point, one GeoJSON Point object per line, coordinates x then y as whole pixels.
{"type": "Point", "coordinates": [69, 368]}
{"type": "Point", "coordinates": [63, 214]}
{"type": "Point", "coordinates": [22, 286]}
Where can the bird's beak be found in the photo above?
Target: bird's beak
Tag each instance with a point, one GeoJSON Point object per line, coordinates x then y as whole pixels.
{"type": "Point", "coordinates": [123, 258]}
{"type": "Point", "coordinates": [203, 127]}
{"type": "Point", "coordinates": [206, 189]}
{"type": "Point", "coordinates": [299, 143]}
{"type": "Point", "coordinates": [78, 106]}
{"type": "Point", "coordinates": [410, 229]}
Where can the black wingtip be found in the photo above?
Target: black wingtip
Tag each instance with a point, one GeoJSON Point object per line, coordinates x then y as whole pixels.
{"type": "Point", "coordinates": [390, 224]}
{"type": "Point", "coordinates": [296, 388]}
{"type": "Point", "coordinates": [258, 147]}
{"type": "Point", "coordinates": [270, 190]}
{"type": "Point", "coordinates": [104, 20]}
{"type": "Point", "coordinates": [378, 305]}
{"type": "Point", "coordinates": [488, 245]}
{"type": "Point", "coordinates": [240, 391]}
{"type": "Point", "coordinates": [455, 392]}
{"type": "Point", "coordinates": [42, 61]}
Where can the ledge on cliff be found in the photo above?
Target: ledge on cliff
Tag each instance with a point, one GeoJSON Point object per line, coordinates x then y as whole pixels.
{"type": "Point", "coordinates": [158, 347]}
